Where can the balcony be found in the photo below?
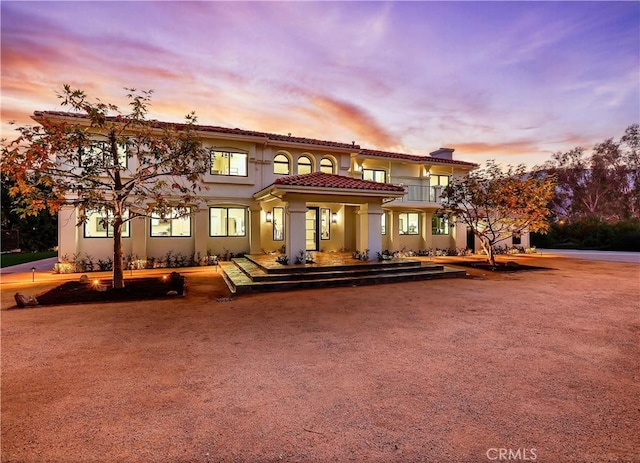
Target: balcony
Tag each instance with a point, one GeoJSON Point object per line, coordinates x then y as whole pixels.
{"type": "Point", "coordinates": [421, 194]}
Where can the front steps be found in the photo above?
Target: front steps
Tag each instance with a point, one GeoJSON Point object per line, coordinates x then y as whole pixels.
{"type": "Point", "coordinates": [254, 273]}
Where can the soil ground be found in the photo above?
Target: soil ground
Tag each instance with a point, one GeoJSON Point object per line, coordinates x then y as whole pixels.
{"type": "Point", "coordinates": [437, 371]}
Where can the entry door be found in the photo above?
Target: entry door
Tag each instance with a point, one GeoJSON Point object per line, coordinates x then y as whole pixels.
{"type": "Point", "coordinates": [471, 240]}
{"type": "Point", "coordinates": [311, 229]}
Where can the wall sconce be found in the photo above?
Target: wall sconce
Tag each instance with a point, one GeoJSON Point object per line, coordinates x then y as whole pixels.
{"type": "Point", "coordinates": [269, 217]}
{"type": "Point", "coordinates": [334, 217]}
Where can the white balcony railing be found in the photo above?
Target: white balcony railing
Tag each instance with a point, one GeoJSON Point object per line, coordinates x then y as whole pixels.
{"type": "Point", "coordinates": [421, 193]}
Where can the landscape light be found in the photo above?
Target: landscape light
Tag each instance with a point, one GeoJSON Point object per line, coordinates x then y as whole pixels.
{"type": "Point", "coordinates": [33, 274]}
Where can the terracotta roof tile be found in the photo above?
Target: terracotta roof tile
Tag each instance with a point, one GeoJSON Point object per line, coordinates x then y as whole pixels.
{"type": "Point", "coordinates": [216, 129]}
{"type": "Point", "coordinates": [412, 157]}
{"type": "Point", "coordinates": [323, 180]}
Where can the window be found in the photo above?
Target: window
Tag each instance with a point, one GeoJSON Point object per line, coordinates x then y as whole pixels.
{"type": "Point", "coordinates": [439, 225]}
{"type": "Point", "coordinates": [174, 224]}
{"type": "Point", "coordinates": [98, 225]}
{"type": "Point", "coordinates": [278, 223]}
{"type": "Point", "coordinates": [409, 223]}
{"type": "Point", "coordinates": [304, 165]}
{"type": "Point", "coordinates": [325, 224]}
{"type": "Point", "coordinates": [229, 163]}
{"type": "Point", "coordinates": [281, 164]}
{"type": "Point", "coordinates": [227, 221]}
{"type": "Point", "coordinates": [516, 240]}
{"type": "Point", "coordinates": [98, 155]}
{"type": "Point", "coordinates": [383, 223]}
{"type": "Point", "coordinates": [379, 176]}
{"type": "Point", "coordinates": [326, 166]}
{"type": "Point", "coordinates": [439, 180]}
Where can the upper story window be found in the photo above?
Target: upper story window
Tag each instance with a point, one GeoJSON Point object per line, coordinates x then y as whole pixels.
{"type": "Point", "coordinates": [171, 224]}
{"type": "Point", "coordinates": [229, 163]}
{"type": "Point", "coordinates": [98, 225]}
{"type": "Point", "coordinates": [326, 166]}
{"type": "Point", "coordinates": [305, 165]}
{"type": "Point", "coordinates": [374, 175]}
{"type": "Point", "coordinates": [439, 180]}
{"type": "Point", "coordinates": [281, 165]}
{"type": "Point", "coordinates": [227, 221]}
{"type": "Point", "coordinates": [439, 225]}
{"type": "Point", "coordinates": [99, 155]}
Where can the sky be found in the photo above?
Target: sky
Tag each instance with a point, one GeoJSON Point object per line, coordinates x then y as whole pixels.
{"type": "Point", "coordinates": [509, 81]}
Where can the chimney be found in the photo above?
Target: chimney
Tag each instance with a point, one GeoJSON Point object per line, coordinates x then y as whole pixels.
{"type": "Point", "coordinates": [442, 153]}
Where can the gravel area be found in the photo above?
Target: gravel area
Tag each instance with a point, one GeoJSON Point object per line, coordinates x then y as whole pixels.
{"type": "Point", "coordinates": [544, 363]}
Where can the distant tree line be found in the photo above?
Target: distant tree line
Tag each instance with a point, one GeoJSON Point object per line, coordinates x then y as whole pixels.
{"type": "Point", "coordinates": [597, 199]}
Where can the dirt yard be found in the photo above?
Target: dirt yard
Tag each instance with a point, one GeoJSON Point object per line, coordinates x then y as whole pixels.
{"type": "Point", "coordinates": [545, 363]}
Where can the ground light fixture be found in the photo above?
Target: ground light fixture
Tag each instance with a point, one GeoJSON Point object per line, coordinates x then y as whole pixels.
{"type": "Point", "coordinates": [33, 274]}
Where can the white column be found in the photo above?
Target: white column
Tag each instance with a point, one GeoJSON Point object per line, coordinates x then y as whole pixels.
{"type": "Point", "coordinates": [255, 243]}
{"type": "Point", "coordinates": [369, 236]}
{"type": "Point", "coordinates": [67, 232]}
{"type": "Point", "coordinates": [139, 233]}
{"type": "Point", "coordinates": [201, 231]}
{"type": "Point", "coordinates": [295, 231]}
{"type": "Point", "coordinates": [425, 217]}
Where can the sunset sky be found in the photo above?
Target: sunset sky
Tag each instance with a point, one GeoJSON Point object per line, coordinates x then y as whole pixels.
{"type": "Point", "coordinates": [511, 81]}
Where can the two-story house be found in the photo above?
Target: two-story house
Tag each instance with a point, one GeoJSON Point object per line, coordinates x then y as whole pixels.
{"type": "Point", "coordinates": [269, 192]}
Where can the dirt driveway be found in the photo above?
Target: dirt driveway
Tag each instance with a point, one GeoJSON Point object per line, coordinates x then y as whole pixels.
{"type": "Point", "coordinates": [540, 366]}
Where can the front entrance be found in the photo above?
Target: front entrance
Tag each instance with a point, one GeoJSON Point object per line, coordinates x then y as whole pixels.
{"type": "Point", "coordinates": [471, 240]}
{"type": "Point", "coordinates": [311, 229]}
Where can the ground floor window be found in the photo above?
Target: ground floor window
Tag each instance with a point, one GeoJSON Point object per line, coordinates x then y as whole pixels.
{"type": "Point", "coordinates": [439, 225]}
{"type": "Point", "coordinates": [278, 223]}
{"type": "Point", "coordinates": [383, 223]}
{"type": "Point", "coordinates": [409, 223]}
{"type": "Point", "coordinates": [516, 240]}
{"type": "Point", "coordinates": [227, 221]}
{"type": "Point", "coordinates": [99, 225]}
{"type": "Point", "coordinates": [176, 223]}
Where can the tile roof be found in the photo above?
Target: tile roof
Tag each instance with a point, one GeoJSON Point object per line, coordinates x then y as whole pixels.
{"type": "Point", "coordinates": [276, 137]}
{"type": "Point", "coordinates": [323, 180]}
{"type": "Point", "coordinates": [412, 157]}
{"type": "Point", "coordinates": [216, 129]}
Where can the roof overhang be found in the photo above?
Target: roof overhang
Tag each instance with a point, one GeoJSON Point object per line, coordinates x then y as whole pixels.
{"type": "Point", "coordinates": [280, 191]}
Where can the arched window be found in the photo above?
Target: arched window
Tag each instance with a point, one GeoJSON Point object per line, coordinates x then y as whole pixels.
{"type": "Point", "coordinates": [304, 165]}
{"type": "Point", "coordinates": [326, 166]}
{"type": "Point", "coordinates": [281, 165]}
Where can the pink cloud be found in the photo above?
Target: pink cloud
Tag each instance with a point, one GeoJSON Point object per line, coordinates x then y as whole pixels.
{"type": "Point", "coordinates": [357, 119]}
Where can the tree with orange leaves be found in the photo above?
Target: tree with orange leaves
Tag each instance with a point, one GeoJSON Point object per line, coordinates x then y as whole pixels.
{"type": "Point", "coordinates": [497, 204]}
{"type": "Point", "coordinates": [98, 159]}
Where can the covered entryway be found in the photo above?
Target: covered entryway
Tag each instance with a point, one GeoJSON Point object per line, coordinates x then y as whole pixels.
{"type": "Point", "coordinates": [305, 198]}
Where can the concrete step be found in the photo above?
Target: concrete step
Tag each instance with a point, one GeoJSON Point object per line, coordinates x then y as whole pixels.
{"type": "Point", "coordinates": [257, 273]}
{"type": "Point", "coordinates": [239, 282]}
{"type": "Point", "coordinates": [325, 264]}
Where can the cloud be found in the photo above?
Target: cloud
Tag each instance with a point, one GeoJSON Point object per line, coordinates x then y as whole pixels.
{"type": "Point", "coordinates": [504, 148]}
{"type": "Point", "coordinates": [358, 120]}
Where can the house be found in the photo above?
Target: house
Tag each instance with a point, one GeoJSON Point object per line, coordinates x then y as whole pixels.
{"type": "Point", "coordinates": [269, 192]}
